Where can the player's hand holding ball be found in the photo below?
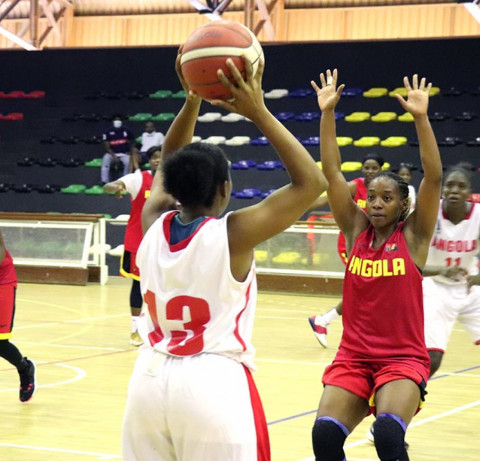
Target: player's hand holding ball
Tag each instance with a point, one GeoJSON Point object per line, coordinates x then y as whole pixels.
{"type": "Point", "coordinates": [207, 50]}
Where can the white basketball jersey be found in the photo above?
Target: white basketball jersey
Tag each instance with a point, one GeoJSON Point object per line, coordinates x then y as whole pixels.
{"type": "Point", "coordinates": [194, 303]}
{"type": "Point", "coordinates": [456, 244]}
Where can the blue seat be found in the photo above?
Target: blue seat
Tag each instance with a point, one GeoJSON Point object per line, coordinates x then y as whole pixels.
{"type": "Point", "coordinates": [248, 193]}
{"type": "Point", "coordinates": [261, 141]}
{"type": "Point", "coordinates": [283, 116]}
{"type": "Point", "coordinates": [301, 93]}
{"type": "Point", "coordinates": [307, 116]}
{"type": "Point", "coordinates": [270, 165]}
{"type": "Point", "coordinates": [311, 141]}
{"type": "Point", "coordinates": [243, 164]}
{"type": "Point", "coordinates": [351, 92]}
{"type": "Point", "coordinates": [266, 194]}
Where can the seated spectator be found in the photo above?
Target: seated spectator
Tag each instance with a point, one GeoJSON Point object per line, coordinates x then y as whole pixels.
{"type": "Point", "coordinates": [119, 142]}
{"type": "Point", "coordinates": [150, 138]}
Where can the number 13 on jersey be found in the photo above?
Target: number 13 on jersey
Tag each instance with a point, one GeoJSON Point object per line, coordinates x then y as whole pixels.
{"type": "Point", "coordinates": [187, 336]}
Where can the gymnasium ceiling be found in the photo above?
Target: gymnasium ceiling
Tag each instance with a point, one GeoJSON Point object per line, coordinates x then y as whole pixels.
{"type": "Point", "coordinates": [21, 8]}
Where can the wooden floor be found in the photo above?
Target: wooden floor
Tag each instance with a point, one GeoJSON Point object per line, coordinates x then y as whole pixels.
{"type": "Point", "coordinates": [78, 337]}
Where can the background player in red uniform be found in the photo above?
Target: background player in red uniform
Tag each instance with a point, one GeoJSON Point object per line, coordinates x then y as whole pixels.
{"type": "Point", "coordinates": [372, 165]}
{"type": "Point", "coordinates": [8, 285]}
{"type": "Point", "coordinates": [138, 185]}
{"type": "Point", "coordinates": [382, 364]}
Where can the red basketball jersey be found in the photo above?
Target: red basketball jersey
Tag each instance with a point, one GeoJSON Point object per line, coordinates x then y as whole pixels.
{"type": "Point", "coordinates": [360, 199]}
{"type": "Point", "coordinates": [134, 233]}
{"type": "Point", "coordinates": [8, 276]}
{"type": "Point", "coordinates": [382, 303]}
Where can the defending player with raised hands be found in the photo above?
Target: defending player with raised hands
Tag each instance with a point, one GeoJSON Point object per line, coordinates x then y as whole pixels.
{"type": "Point", "coordinates": [382, 364]}
{"type": "Point", "coordinates": [191, 395]}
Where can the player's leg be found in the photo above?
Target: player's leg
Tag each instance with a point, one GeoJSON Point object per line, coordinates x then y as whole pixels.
{"type": "Point", "coordinates": [215, 413]}
{"type": "Point", "coordinates": [107, 160]}
{"type": "Point", "coordinates": [8, 351]}
{"type": "Point", "coordinates": [339, 412]}
{"type": "Point", "coordinates": [469, 315]}
{"type": "Point", "coordinates": [320, 323]}
{"type": "Point", "coordinates": [136, 302]}
{"type": "Point", "coordinates": [125, 159]}
{"type": "Point", "coordinates": [396, 403]}
{"type": "Point", "coordinates": [145, 433]}
{"type": "Point", "coordinates": [440, 312]}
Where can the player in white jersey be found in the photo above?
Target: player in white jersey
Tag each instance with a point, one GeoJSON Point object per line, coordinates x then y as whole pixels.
{"type": "Point", "coordinates": [191, 396]}
{"type": "Point", "coordinates": [451, 282]}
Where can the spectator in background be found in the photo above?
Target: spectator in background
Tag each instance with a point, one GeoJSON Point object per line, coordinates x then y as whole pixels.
{"type": "Point", "coordinates": [405, 171]}
{"type": "Point", "coordinates": [150, 138]}
{"type": "Point", "coordinates": [119, 144]}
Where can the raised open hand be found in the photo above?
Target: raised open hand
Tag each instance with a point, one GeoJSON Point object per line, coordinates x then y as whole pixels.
{"type": "Point", "coordinates": [189, 94]}
{"type": "Point", "coordinates": [417, 96]}
{"type": "Point", "coordinates": [247, 94]}
{"type": "Point", "coordinates": [328, 95]}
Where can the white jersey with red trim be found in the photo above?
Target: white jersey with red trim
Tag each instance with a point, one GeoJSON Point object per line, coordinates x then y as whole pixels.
{"type": "Point", "coordinates": [194, 304]}
{"type": "Point", "coordinates": [455, 244]}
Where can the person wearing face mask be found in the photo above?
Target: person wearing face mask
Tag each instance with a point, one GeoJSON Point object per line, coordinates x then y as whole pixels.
{"type": "Point", "coordinates": [119, 143]}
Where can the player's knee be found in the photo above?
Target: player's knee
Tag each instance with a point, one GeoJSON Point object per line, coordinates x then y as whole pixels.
{"type": "Point", "coordinates": [435, 361]}
{"type": "Point", "coordinates": [389, 433]}
{"type": "Point", "coordinates": [328, 437]}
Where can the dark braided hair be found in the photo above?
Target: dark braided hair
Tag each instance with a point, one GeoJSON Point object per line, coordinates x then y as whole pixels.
{"type": "Point", "coordinates": [193, 173]}
{"type": "Point", "coordinates": [402, 187]}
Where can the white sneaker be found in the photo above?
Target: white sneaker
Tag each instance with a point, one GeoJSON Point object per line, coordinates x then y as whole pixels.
{"type": "Point", "coordinates": [370, 436]}
{"type": "Point", "coordinates": [320, 329]}
{"type": "Point", "coordinates": [135, 339]}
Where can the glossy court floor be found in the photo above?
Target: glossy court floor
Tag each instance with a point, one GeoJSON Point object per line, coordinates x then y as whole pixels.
{"type": "Point", "coordinates": [78, 337]}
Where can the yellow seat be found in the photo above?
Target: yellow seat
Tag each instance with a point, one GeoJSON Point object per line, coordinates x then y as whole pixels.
{"type": "Point", "coordinates": [351, 166]}
{"type": "Point", "coordinates": [261, 256]}
{"type": "Point", "coordinates": [287, 257]}
{"type": "Point", "coordinates": [344, 140]}
{"type": "Point", "coordinates": [319, 164]}
{"type": "Point", "coordinates": [367, 141]}
{"type": "Point", "coordinates": [406, 117]}
{"type": "Point", "coordinates": [357, 117]}
{"type": "Point", "coordinates": [394, 141]}
{"type": "Point", "coordinates": [386, 166]}
{"type": "Point", "coordinates": [434, 90]}
{"type": "Point", "coordinates": [376, 92]}
{"type": "Point", "coordinates": [384, 117]}
{"type": "Point", "coordinates": [402, 91]}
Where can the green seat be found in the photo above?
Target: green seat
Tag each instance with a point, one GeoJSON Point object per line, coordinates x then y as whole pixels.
{"type": "Point", "coordinates": [95, 163]}
{"type": "Point", "coordinates": [140, 117]}
{"type": "Point", "coordinates": [73, 189]}
{"type": "Point", "coordinates": [160, 94]}
{"type": "Point", "coordinates": [107, 216]}
{"type": "Point", "coordinates": [138, 139]}
{"type": "Point", "coordinates": [179, 94]}
{"type": "Point", "coordinates": [163, 117]}
{"type": "Point", "coordinates": [95, 190]}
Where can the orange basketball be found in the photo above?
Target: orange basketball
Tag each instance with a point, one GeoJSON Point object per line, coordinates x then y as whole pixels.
{"type": "Point", "coordinates": [206, 51]}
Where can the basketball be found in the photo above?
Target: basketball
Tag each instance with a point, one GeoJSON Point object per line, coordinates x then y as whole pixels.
{"type": "Point", "coordinates": [206, 51]}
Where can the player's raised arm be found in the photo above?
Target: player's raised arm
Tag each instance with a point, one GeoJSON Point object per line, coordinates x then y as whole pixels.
{"type": "Point", "coordinates": [347, 214]}
{"type": "Point", "coordinates": [420, 225]}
